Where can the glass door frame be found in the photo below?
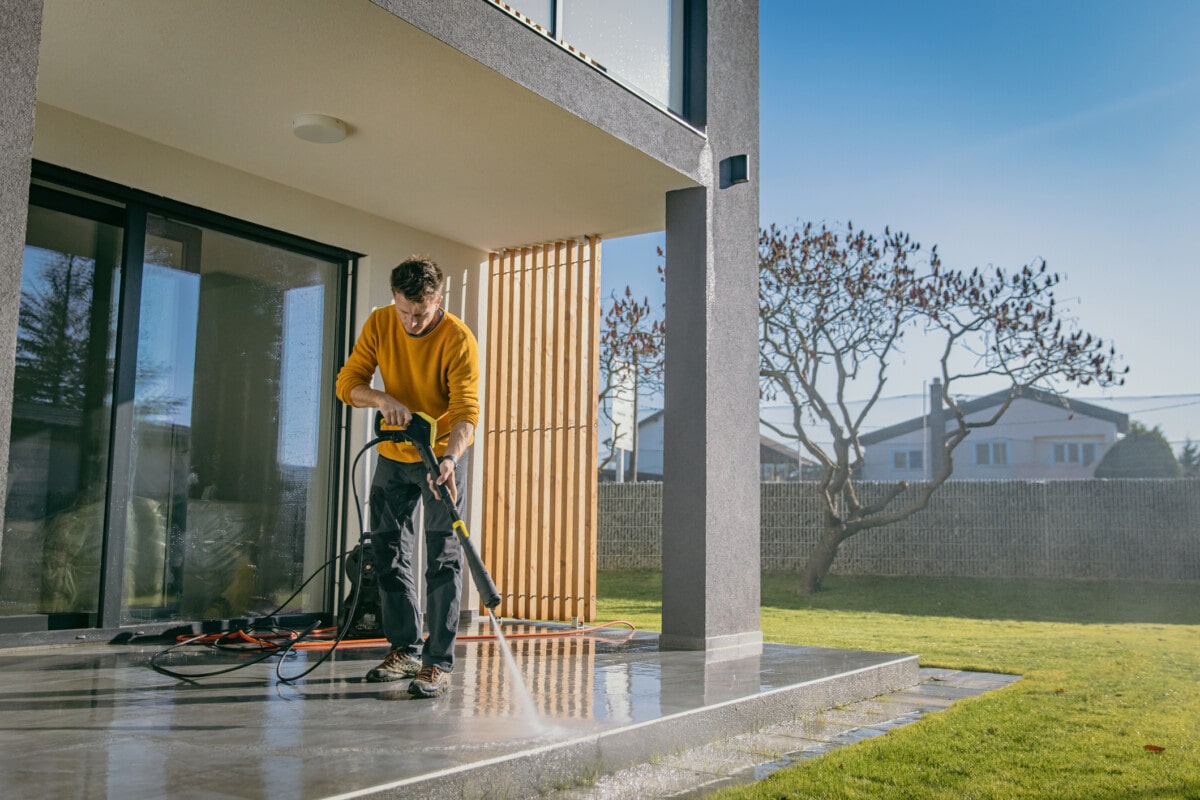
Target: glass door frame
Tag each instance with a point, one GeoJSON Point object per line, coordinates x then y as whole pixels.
{"type": "Point", "coordinates": [76, 193]}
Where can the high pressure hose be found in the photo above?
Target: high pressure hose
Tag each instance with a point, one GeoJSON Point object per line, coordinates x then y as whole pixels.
{"type": "Point", "coordinates": [273, 640]}
{"type": "Point", "coordinates": [421, 432]}
{"type": "Point", "coordinates": [244, 636]}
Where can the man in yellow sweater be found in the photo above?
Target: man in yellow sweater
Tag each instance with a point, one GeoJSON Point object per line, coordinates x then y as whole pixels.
{"type": "Point", "coordinates": [429, 361]}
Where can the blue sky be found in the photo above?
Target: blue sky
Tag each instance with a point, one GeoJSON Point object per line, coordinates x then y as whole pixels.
{"type": "Point", "coordinates": [1003, 131]}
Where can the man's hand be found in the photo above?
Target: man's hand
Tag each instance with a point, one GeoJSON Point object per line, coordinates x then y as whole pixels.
{"type": "Point", "coordinates": [394, 412]}
{"type": "Point", "coordinates": [460, 438]}
{"type": "Point", "coordinates": [445, 476]}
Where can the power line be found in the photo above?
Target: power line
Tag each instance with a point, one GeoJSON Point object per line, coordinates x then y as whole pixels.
{"type": "Point", "coordinates": [1133, 397]}
{"type": "Point", "coordinates": [1166, 408]}
{"type": "Point", "coordinates": [968, 397]}
{"type": "Point", "coordinates": [916, 396]}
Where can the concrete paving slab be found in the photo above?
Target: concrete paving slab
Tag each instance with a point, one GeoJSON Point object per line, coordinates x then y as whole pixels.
{"type": "Point", "coordinates": [95, 721]}
{"type": "Point", "coordinates": [830, 730]}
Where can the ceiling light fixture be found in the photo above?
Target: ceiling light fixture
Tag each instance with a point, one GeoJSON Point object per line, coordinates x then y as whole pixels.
{"type": "Point", "coordinates": [319, 128]}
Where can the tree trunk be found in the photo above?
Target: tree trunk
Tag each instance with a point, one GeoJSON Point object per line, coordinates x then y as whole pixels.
{"type": "Point", "coordinates": [818, 564]}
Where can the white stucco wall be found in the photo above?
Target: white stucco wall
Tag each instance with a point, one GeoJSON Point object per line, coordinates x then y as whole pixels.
{"type": "Point", "coordinates": [650, 447]}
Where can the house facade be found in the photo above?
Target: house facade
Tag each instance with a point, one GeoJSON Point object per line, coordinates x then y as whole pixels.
{"type": "Point", "coordinates": [1040, 436]}
{"type": "Point", "coordinates": [777, 461]}
{"type": "Point", "coordinates": [222, 188]}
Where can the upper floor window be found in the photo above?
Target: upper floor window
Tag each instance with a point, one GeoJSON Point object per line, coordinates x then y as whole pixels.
{"type": "Point", "coordinates": [908, 460]}
{"type": "Point", "coordinates": [1082, 453]}
{"type": "Point", "coordinates": [994, 453]}
{"type": "Point", "coordinates": [638, 42]}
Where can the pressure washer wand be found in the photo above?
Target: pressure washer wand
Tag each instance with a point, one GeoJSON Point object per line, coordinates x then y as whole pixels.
{"type": "Point", "coordinates": [422, 433]}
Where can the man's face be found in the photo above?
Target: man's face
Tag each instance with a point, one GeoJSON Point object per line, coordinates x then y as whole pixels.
{"type": "Point", "coordinates": [417, 317]}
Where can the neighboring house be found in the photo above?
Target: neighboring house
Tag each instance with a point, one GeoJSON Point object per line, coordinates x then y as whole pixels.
{"type": "Point", "coordinates": [777, 461]}
{"type": "Point", "coordinates": [1041, 436]}
{"type": "Point", "coordinates": [220, 191]}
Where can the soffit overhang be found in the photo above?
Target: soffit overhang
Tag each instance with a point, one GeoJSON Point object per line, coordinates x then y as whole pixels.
{"type": "Point", "coordinates": [438, 141]}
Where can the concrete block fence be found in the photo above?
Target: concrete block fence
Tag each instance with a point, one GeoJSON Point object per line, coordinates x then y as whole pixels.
{"type": "Point", "coordinates": [1112, 529]}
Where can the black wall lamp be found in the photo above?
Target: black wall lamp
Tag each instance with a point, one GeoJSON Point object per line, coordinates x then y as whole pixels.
{"type": "Point", "coordinates": [735, 169]}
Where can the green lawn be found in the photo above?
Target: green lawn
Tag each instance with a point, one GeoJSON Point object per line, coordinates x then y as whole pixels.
{"type": "Point", "coordinates": [1109, 668]}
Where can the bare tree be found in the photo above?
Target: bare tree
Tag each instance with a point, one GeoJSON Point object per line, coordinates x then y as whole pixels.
{"type": "Point", "coordinates": [835, 308]}
{"type": "Point", "coordinates": [631, 354]}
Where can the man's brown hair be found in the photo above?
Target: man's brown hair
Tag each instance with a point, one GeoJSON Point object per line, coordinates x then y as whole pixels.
{"type": "Point", "coordinates": [417, 278]}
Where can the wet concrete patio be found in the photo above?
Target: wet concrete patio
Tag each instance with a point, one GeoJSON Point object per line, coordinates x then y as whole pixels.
{"type": "Point", "coordinates": [95, 721]}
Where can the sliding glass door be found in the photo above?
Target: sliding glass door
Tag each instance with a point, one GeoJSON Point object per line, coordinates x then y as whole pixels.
{"type": "Point", "coordinates": [173, 426]}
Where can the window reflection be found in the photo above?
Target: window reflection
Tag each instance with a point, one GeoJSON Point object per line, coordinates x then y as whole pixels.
{"type": "Point", "coordinates": [210, 496]}
{"type": "Point", "coordinates": [50, 549]}
{"type": "Point", "coordinates": [639, 41]}
{"type": "Point", "coordinates": [233, 348]}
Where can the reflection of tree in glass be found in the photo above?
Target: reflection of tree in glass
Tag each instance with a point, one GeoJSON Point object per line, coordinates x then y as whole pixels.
{"type": "Point", "coordinates": [154, 402]}
{"type": "Point", "coordinates": [52, 341]}
{"type": "Point", "coordinates": [53, 338]}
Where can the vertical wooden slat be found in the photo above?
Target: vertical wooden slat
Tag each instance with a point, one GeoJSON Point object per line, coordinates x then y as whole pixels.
{"type": "Point", "coordinates": [584, 419]}
{"type": "Point", "coordinates": [498, 318]}
{"type": "Point", "coordinates": [543, 532]}
{"type": "Point", "coordinates": [570, 391]}
{"type": "Point", "coordinates": [505, 446]}
{"type": "Point", "coordinates": [491, 415]}
{"type": "Point", "coordinates": [562, 534]}
{"type": "Point", "coordinates": [512, 428]}
{"type": "Point", "coordinates": [516, 484]}
{"type": "Point", "coordinates": [592, 431]}
{"type": "Point", "coordinates": [577, 401]}
{"type": "Point", "coordinates": [512, 279]}
{"type": "Point", "coordinates": [494, 415]}
{"type": "Point", "coordinates": [532, 487]}
{"type": "Point", "coordinates": [513, 498]}
{"type": "Point", "coordinates": [585, 539]}
{"type": "Point", "coordinates": [528, 407]}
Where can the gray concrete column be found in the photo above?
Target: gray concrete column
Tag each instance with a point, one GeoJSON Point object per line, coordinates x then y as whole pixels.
{"type": "Point", "coordinates": [711, 549]}
{"type": "Point", "coordinates": [20, 38]}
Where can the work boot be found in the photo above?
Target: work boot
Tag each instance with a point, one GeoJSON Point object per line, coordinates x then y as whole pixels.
{"type": "Point", "coordinates": [431, 681]}
{"type": "Point", "coordinates": [395, 666]}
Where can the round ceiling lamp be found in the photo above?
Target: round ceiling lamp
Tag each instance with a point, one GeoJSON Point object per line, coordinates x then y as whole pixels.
{"type": "Point", "coordinates": [319, 128]}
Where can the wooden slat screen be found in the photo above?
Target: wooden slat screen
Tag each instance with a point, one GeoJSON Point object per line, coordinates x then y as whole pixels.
{"type": "Point", "coordinates": [540, 420]}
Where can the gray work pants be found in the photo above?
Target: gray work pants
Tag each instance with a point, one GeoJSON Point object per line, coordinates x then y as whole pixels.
{"type": "Point", "coordinates": [395, 490]}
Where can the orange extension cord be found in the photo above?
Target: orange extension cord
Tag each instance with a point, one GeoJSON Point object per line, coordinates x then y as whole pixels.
{"type": "Point", "coordinates": [281, 640]}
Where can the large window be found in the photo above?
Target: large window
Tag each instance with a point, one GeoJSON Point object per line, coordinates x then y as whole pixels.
{"type": "Point", "coordinates": [908, 460]}
{"type": "Point", "coordinates": [1080, 453]}
{"type": "Point", "coordinates": [640, 43]}
{"type": "Point", "coordinates": [993, 453]}
{"type": "Point", "coordinates": [171, 445]}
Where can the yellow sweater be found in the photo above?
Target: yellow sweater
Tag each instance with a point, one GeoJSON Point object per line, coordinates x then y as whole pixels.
{"type": "Point", "coordinates": [437, 373]}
